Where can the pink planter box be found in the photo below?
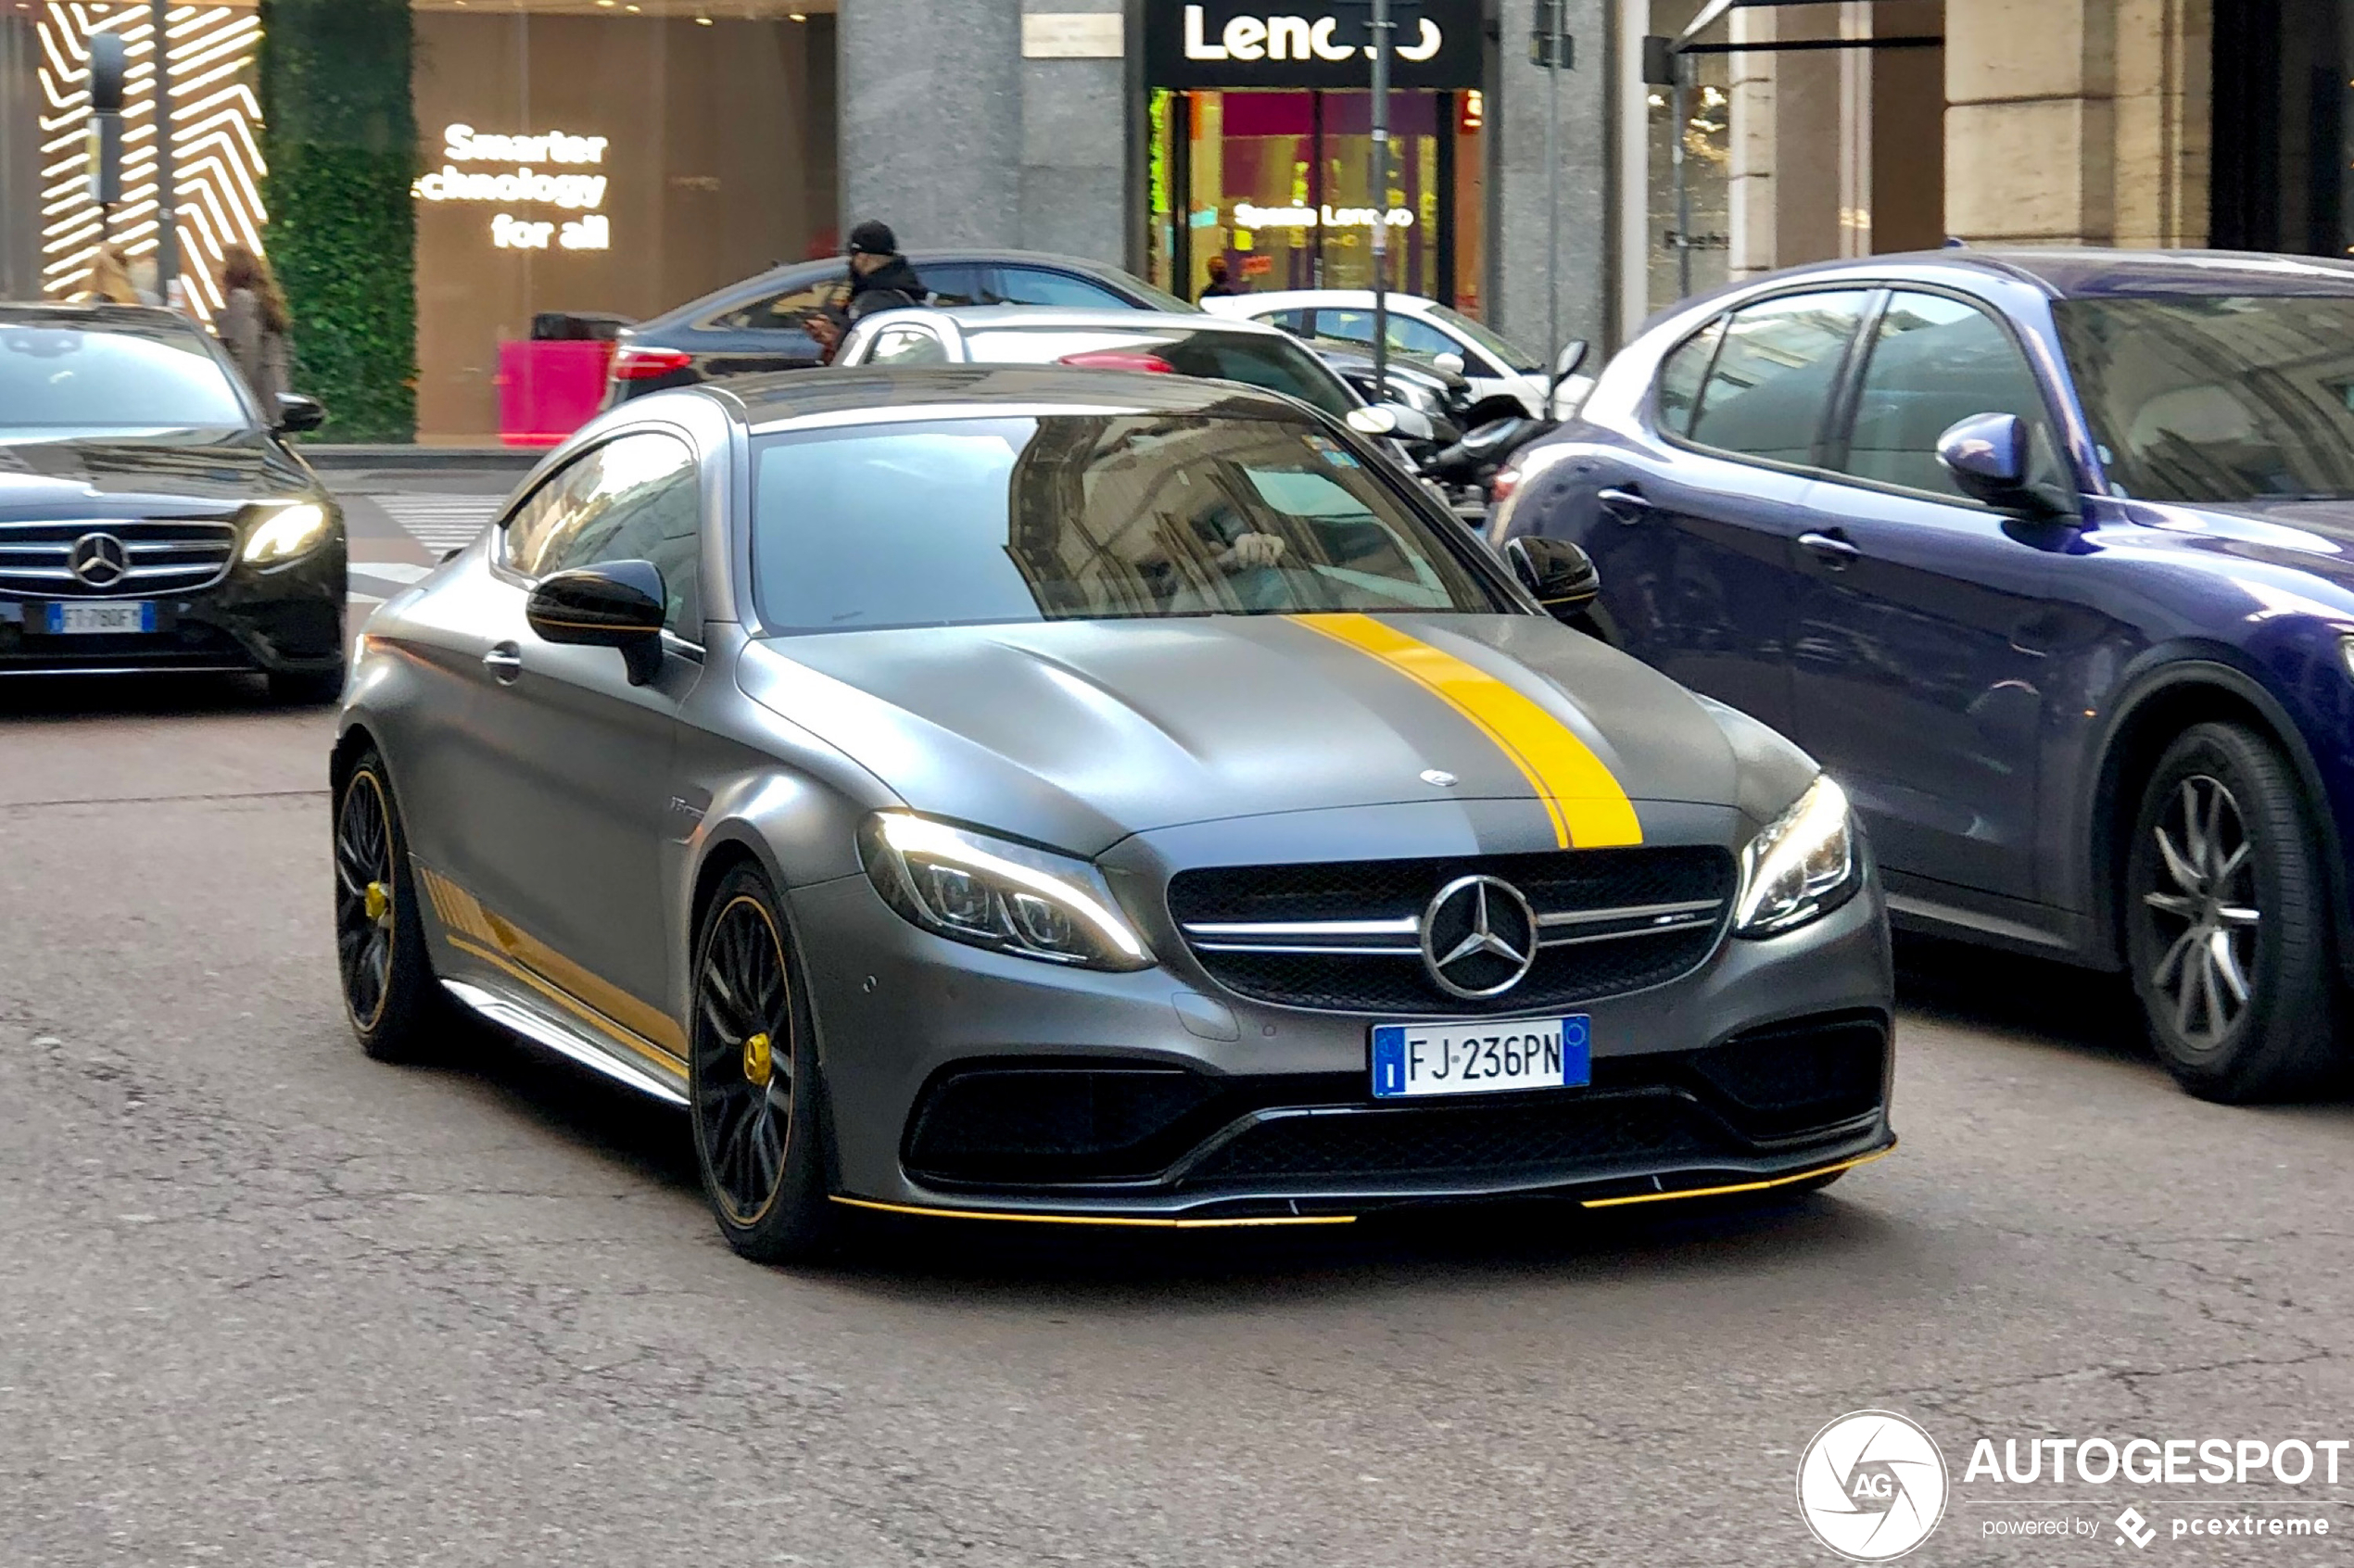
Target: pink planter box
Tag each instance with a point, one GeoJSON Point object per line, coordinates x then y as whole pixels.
{"type": "Point", "coordinates": [549, 390]}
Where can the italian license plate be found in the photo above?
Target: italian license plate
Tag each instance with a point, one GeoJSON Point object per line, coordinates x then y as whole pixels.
{"type": "Point", "coordinates": [68, 620]}
{"type": "Point", "coordinates": [1474, 1059]}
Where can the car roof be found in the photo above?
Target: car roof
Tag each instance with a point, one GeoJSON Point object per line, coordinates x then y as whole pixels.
{"type": "Point", "coordinates": [1351, 297]}
{"type": "Point", "coordinates": [973, 389]}
{"type": "Point", "coordinates": [978, 317]}
{"type": "Point", "coordinates": [138, 318]}
{"type": "Point", "coordinates": [787, 274]}
{"type": "Point", "coordinates": [2089, 273]}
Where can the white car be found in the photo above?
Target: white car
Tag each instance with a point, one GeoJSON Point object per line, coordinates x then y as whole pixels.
{"type": "Point", "coordinates": [1153, 341]}
{"type": "Point", "coordinates": [1495, 366]}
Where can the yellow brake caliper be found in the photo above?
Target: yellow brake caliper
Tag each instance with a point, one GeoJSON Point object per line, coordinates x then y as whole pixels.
{"type": "Point", "coordinates": [758, 1063]}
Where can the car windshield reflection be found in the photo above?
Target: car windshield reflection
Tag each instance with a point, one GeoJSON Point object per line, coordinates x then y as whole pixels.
{"type": "Point", "coordinates": [970, 520]}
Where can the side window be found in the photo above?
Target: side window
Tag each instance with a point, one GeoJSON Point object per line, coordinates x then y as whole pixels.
{"type": "Point", "coordinates": [783, 312]}
{"type": "Point", "coordinates": [1774, 374]}
{"type": "Point", "coordinates": [1679, 377]}
{"type": "Point", "coordinates": [1406, 334]}
{"type": "Point", "coordinates": [634, 498]}
{"type": "Point", "coordinates": [906, 346]}
{"type": "Point", "coordinates": [549, 512]}
{"type": "Point", "coordinates": [1934, 363]}
{"type": "Point", "coordinates": [952, 282]}
{"type": "Point", "coordinates": [1293, 321]}
{"type": "Point", "coordinates": [1035, 286]}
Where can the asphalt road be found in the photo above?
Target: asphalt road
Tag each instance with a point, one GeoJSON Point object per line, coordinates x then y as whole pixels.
{"type": "Point", "coordinates": [263, 1302]}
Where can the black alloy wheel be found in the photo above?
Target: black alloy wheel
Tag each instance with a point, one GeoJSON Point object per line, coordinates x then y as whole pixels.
{"type": "Point", "coordinates": [389, 992]}
{"type": "Point", "coordinates": [753, 1091]}
{"type": "Point", "coordinates": [2227, 920]}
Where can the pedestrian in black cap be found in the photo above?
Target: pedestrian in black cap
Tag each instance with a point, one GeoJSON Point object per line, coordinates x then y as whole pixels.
{"type": "Point", "coordinates": [881, 279]}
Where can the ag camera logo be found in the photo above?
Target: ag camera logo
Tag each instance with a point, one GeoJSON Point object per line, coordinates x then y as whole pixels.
{"type": "Point", "coordinates": [1871, 1486]}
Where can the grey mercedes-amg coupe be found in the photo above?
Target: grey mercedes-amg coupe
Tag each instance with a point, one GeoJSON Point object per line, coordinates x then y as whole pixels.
{"type": "Point", "coordinates": [1076, 795]}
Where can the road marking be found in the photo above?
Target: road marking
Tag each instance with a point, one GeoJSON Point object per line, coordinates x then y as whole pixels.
{"type": "Point", "coordinates": [441, 523]}
{"type": "Point", "coordinates": [390, 571]}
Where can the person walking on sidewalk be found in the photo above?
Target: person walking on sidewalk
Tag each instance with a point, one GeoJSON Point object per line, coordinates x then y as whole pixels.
{"type": "Point", "coordinates": [881, 279]}
{"type": "Point", "coordinates": [1222, 285]}
{"type": "Point", "coordinates": [254, 323]}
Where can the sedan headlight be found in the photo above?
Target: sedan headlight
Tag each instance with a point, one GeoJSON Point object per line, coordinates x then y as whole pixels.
{"type": "Point", "coordinates": [1800, 867]}
{"type": "Point", "coordinates": [285, 531]}
{"type": "Point", "coordinates": [994, 894]}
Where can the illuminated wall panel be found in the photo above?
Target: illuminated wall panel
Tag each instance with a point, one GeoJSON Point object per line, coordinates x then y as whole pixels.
{"type": "Point", "coordinates": [208, 54]}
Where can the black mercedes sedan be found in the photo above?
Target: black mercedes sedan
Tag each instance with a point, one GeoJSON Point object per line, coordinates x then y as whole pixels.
{"type": "Point", "coordinates": [152, 516]}
{"type": "Point", "coordinates": [760, 324]}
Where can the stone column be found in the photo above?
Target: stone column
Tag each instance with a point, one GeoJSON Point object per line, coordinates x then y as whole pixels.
{"type": "Point", "coordinates": [1518, 285]}
{"type": "Point", "coordinates": [2077, 121]}
{"type": "Point", "coordinates": [1074, 129]}
{"type": "Point", "coordinates": [932, 120]}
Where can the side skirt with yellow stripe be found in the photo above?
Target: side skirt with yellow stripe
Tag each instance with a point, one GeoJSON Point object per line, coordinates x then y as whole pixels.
{"type": "Point", "coordinates": [563, 996]}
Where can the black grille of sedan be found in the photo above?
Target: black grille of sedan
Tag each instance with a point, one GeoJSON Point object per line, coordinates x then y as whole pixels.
{"type": "Point", "coordinates": [1347, 937]}
{"type": "Point", "coordinates": [153, 556]}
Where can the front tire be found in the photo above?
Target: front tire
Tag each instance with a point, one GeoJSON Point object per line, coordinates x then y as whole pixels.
{"type": "Point", "coordinates": [2227, 920]}
{"type": "Point", "coordinates": [394, 1003]}
{"type": "Point", "coordinates": [752, 1081]}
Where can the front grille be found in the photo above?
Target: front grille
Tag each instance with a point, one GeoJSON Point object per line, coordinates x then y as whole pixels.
{"type": "Point", "coordinates": [162, 556]}
{"type": "Point", "coordinates": [1462, 1143]}
{"type": "Point", "coordinates": [1347, 937]}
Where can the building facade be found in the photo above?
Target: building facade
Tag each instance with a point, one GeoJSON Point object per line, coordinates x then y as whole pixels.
{"type": "Point", "coordinates": [598, 159]}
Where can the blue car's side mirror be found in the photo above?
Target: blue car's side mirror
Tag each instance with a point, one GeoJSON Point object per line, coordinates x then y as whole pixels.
{"type": "Point", "coordinates": [1990, 457]}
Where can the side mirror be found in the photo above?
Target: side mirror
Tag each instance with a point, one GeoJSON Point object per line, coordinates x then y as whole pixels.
{"type": "Point", "coordinates": [614, 604]}
{"type": "Point", "coordinates": [1571, 356]}
{"type": "Point", "coordinates": [1990, 457]}
{"type": "Point", "coordinates": [297, 413]}
{"type": "Point", "coordinates": [1559, 574]}
{"type": "Point", "coordinates": [1451, 363]}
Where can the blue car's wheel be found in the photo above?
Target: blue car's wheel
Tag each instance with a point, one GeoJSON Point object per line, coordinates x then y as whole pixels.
{"type": "Point", "coordinates": [2228, 919]}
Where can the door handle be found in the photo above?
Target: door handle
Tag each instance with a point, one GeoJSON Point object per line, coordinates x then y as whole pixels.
{"type": "Point", "coordinates": [505, 664]}
{"type": "Point", "coordinates": [1625, 505]}
{"type": "Point", "coordinates": [1833, 549]}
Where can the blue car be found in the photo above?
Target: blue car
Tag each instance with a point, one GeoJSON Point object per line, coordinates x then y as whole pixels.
{"type": "Point", "coordinates": [2048, 557]}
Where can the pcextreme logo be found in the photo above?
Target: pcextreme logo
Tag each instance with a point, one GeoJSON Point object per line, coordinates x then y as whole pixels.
{"type": "Point", "coordinates": [1871, 1486]}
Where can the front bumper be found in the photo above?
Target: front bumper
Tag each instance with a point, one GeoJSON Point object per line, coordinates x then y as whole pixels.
{"type": "Point", "coordinates": [1768, 1064]}
{"type": "Point", "coordinates": [285, 621]}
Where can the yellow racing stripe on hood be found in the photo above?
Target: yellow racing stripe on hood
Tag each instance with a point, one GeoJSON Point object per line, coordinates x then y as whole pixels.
{"type": "Point", "coordinates": [1587, 808]}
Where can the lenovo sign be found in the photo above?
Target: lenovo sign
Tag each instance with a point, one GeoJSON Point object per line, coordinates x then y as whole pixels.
{"type": "Point", "coordinates": [1267, 43]}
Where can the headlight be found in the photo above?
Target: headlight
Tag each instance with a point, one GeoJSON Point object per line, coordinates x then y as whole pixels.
{"type": "Point", "coordinates": [989, 892]}
{"type": "Point", "coordinates": [1800, 867]}
{"type": "Point", "coordinates": [285, 532]}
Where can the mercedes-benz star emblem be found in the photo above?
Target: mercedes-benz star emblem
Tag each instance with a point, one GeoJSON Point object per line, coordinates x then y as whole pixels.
{"type": "Point", "coordinates": [99, 560]}
{"type": "Point", "coordinates": [1479, 937]}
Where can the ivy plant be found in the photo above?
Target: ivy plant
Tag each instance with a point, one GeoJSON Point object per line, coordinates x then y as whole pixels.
{"type": "Point", "coordinates": [339, 132]}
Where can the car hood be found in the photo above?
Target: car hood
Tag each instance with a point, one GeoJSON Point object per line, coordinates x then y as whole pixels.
{"type": "Point", "coordinates": [126, 473]}
{"type": "Point", "coordinates": [1078, 733]}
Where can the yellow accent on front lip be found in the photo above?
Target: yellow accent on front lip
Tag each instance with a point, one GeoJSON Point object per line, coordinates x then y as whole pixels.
{"type": "Point", "coordinates": [1587, 808]}
{"type": "Point", "coordinates": [1147, 1222]}
{"type": "Point", "coordinates": [1742, 1186]}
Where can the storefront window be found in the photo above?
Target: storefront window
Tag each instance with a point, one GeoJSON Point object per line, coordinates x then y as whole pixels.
{"type": "Point", "coordinates": [1262, 151]}
{"type": "Point", "coordinates": [586, 165]}
{"type": "Point", "coordinates": [1700, 225]}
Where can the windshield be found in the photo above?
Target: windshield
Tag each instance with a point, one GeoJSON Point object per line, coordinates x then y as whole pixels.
{"type": "Point", "coordinates": [2230, 398]}
{"type": "Point", "coordinates": [1511, 354]}
{"type": "Point", "coordinates": [961, 522]}
{"type": "Point", "coordinates": [1268, 360]}
{"type": "Point", "coordinates": [111, 378]}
